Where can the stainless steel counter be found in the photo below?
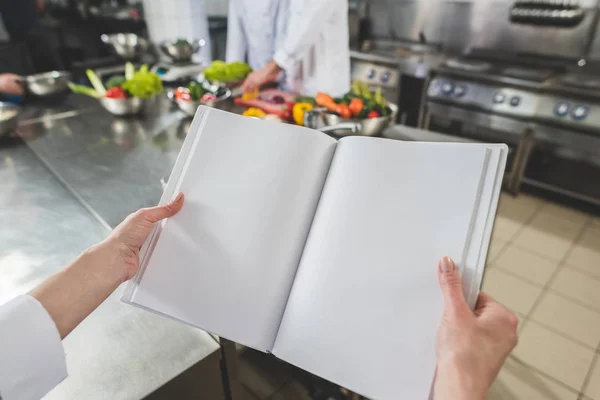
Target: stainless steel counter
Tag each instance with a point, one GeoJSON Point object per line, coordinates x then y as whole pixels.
{"type": "Point", "coordinates": [118, 352]}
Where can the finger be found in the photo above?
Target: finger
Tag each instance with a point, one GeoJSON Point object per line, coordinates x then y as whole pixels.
{"type": "Point", "coordinates": [450, 283]}
{"type": "Point", "coordinates": [159, 213]}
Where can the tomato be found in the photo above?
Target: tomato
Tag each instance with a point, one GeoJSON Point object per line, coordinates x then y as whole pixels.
{"type": "Point", "coordinates": [182, 93]}
{"type": "Point", "coordinates": [373, 114]}
{"type": "Point", "coordinates": [116, 93]}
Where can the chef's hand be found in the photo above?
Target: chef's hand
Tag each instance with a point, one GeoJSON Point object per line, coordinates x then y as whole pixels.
{"type": "Point", "coordinates": [471, 345]}
{"type": "Point", "coordinates": [127, 238]}
{"type": "Point", "coordinates": [9, 84]}
{"type": "Point", "coordinates": [258, 78]}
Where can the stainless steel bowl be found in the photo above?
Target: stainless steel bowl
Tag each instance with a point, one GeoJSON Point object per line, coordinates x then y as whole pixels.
{"type": "Point", "coordinates": [181, 50]}
{"type": "Point", "coordinates": [124, 107]}
{"type": "Point", "coordinates": [47, 83]}
{"type": "Point", "coordinates": [9, 114]}
{"type": "Point", "coordinates": [126, 45]}
{"type": "Point", "coordinates": [336, 125]}
{"type": "Point", "coordinates": [223, 102]}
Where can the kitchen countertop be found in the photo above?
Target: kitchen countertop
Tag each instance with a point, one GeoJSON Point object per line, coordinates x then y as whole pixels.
{"type": "Point", "coordinates": [118, 352]}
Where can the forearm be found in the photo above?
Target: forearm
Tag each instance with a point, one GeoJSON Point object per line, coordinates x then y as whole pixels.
{"type": "Point", "coordinates": [451, 383]}
{"type": "Point", "coordinates": [72, 294]}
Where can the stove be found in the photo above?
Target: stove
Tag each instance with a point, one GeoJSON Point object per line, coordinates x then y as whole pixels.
{"type": "Point", "coordinates": [548, 116]}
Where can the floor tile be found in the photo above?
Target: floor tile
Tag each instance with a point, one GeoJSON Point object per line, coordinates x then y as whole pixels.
{"type": "Point", "coordinates": [518, 382]}
{"type": "Point", "coordinates": [525, 264]}
{"type": "Point", "coordinates": [570, 318]}
{"type": "Point", "coordinates": [522, 200]}
{"type": "Point", "coordinates": [560, 358]}
{"type": "Point", "coordinates": [579, 286]}
{"type": "Point", "coordinates": [505, 228]}
{"type": "Point", "coordinates": [568, 213]}
{"type": "Point", "coordinates": [593, 388]}
{"type": "Point", "coordinates": [585, 255]}
{"type": "Point", "coordinates": [510, 291]}
{"type": "Point", "coordinates": [548, 236]}
{"type": "Point", "coordinates": [496, 245]}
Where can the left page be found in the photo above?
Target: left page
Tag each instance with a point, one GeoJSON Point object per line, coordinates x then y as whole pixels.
{"type": "Point", "coordinates": [227, 261]}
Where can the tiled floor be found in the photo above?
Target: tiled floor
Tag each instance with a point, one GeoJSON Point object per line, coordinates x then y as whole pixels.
{"type": "Point", "coordinates": [544, 264]}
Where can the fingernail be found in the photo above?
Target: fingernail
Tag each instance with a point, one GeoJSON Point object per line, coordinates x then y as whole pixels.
{"type": "Point", "coordinates": [178, 197]}
{"type": "Point", "coordinates": [446, 264]}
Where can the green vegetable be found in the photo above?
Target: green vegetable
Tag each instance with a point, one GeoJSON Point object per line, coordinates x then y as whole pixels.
{"type": "Point", "coordinates": [222, 72]}
{"type": "Point", "coordinates": [355, 89]}
{"type": "Point", "coordinates": [379, 98]}
{"type": "Point", "coordinates": [306, 99]}
{"type": "Point", "coordinates": [96, 82]}
{"type": "Point", "coordinates": [365, 92]}
{"type": "Point", "coordinates": [129, 70]}
{"type": "Point", "coordinates": [115, 81]}
{"type": "Point", "coordinates": [196, 90]}
{"type": "Point", "coordinates": [143, 84]}
{"type": "Point", "coordinates": [81, 89]}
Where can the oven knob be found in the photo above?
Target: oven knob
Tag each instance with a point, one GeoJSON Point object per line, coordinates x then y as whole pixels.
{"type": "Point", "coordinates": [447, 88]}
{"type": "Point", "coordinates": [372, 74]}
{"type": "Point", "coordinates": [460, 90]}
{"type": "Point", "coordinates": [580, 112]}
{"type": "Point", "coordinates": [498, 98]}
{"type": "Point", "coordinates": [385, 77]}
{"type": "Point", "coordinates": [561, 108]}
{"type": "Point", "coordinates": [515, 101]}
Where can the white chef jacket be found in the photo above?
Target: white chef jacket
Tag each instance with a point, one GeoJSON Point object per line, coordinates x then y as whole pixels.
{"type": "Point", "coordinates": [307, 38]}
{"type": "Point", "coordinates": [32, 359]}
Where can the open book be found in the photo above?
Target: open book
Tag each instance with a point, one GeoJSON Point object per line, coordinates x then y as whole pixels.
{"type": "Point", "coordinates": [322, 252]}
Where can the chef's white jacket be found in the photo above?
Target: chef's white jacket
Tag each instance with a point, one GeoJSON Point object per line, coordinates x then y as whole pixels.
{"type": "Point", "coordinates": [32, 359]}
{"type": "Point", "coordinates": [307, 38]}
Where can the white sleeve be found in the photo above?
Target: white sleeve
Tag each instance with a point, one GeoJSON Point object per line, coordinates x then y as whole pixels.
{"type": "Point", "coordinates": [236, 39]}
{"type": "Point", "coordinates": [32, 359]}
{"type": "Point", "coordinates": [307, 20]}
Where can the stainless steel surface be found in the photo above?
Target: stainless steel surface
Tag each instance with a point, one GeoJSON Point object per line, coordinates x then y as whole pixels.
{"type": "Point", "coordinates": [9, 117]}
{"type": "Point", "coordinates": [126, 107]}
{"type": "Point", "coordinates": [223, 102]}
{"type": "Point", "coordinates": [48, 83]}
{"type": "Point", "coordinates": [118, 352]}
{"type": "Point", "coordinates": [128, 46]}
{"type": "Point", "coordinates": [461, 25]}
{"type": "Point", "coordinates": [95, 151]}
{"type": "Point", "coordinates": [181, 50]}
{"type": "Point", "coordinates": [343, 129]}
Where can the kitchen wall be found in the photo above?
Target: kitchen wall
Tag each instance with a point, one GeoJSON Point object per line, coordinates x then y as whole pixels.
{"type": "Point", "coordinates": [463, 25]}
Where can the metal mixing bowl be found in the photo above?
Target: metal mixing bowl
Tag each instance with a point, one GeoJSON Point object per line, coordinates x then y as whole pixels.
{"type": "Point", "coordinates": [9, 114]}
{"type": "Point", "coordinates": [339, 126]}
{"type": "Point", "coordinates": [222, 102]}
{"type": "Point", "coordinates": [127, 45]}
{"type": "Point", "coordinates": [124, 107]}
{"type": "Point", "coordinates": [181, 50]}
{"type": "Point", "coordinates": [47, 83]}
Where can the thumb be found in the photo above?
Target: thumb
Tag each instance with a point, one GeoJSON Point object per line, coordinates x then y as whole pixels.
{"type": "Point", "coordinates": [450, 283]}
{"type": "Point", "coordinates": [159, 213]}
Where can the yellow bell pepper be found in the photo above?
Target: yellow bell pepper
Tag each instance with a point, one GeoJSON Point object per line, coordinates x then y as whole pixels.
{"type": "Point", "coordinates": [299, 110]}
{"type": "Point", "coordinates": [250, 95]}
{"type": "Point", "coordinates": [254, 112]}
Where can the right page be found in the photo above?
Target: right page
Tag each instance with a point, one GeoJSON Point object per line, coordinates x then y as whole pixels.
{"type": "Point", "coordinates": [365, 305]}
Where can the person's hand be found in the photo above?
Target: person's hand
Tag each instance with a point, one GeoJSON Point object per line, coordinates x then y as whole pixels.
{"type": "Point", "coordinates": [124, 243]}
{"type": "Point", "coordinates": [258, 78]}
{"type": "Point", "coordinates": [9, 84]}
{"type": "Point", "coordinates": [471, 345]}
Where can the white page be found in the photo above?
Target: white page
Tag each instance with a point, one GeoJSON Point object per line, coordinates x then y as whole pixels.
{"type": "Point", "coordinates": [226, 262]}
{"type": "Point", "coordinates": [366, 305]}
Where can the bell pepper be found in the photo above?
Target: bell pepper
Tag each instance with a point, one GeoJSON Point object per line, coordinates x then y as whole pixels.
{"type": "Point", "coordinates": [356, 106]}
{"type": "Point", "coordinates": [250, 95]}
{"type": "Point", "coordinates": [254, 112]}
{"type": "Point", "coordinates": [299, 110]}
{"type": "Point", "coordinates": [373, 114]}
{"type": "Point", "coordinates": [116, 93]}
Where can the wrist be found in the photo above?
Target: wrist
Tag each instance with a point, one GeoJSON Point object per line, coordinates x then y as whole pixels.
{"type": "Point", "coordinates": [454, 381]}
{"type": "Point", "coordinates": [105, 262]}
{"type": "Point", "coordinates": [273, 67]}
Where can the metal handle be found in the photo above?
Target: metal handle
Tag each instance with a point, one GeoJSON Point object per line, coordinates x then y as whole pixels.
{"type": "Point", "coordinates": [353, 127]}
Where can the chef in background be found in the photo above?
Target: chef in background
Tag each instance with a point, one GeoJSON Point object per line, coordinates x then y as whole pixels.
{"type": "Point", "coordinates": [302, 43]}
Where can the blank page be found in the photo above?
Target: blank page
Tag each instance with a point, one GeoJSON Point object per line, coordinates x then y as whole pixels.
{"type": "Point", "coordinates": [226, 262]}
{"type": "Point", "coordinates": [365, 305]}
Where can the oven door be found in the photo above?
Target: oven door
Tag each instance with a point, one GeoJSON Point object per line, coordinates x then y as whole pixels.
{"type": "Point", "coordinates": [566, 162]}
{"type": "Point", "coordinates": [484, 127]}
